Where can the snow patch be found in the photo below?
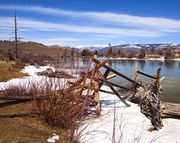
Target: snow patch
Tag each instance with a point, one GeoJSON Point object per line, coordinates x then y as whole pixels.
{"type": "Point", "coordinates": [119, 123]}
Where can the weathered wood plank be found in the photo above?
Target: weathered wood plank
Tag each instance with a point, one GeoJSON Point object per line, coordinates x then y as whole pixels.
{"type": "Point", "coordinates": [145, 74]}
{"type": "Point", "coordinates": [116, 72]}
{"type": "Point", "coordinates": [112, 88]}
{"type": "Point", "coordinates": [171, 110]}
{"type": "Point", "coordinates": [9, 103]}
{"type": "Point", "coordinates": [111, 76]}
{"type": "Point", "coordinates": [18, 114]}
{"type": "Point", "coordinates": [123, 87]}
{"type": "Point", "coordinates": [101, 64]}
{"type": "Point", "coordinates": [25, 97]}
{"type": "Point", "coordinates": [116, 85]}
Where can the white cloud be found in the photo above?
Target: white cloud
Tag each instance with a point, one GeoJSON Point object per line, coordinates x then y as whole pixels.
{"type": "Point", "coordinates": [103, 36]}
{"type": "Point", "coordinates": [161, 24]}
{"type": "Point", "coordinates": [47, 26]}
{"type": "Point", "coordinates": [64, 40]}
{"type": "Point", "coordinates": [117, 26]}
{"type": "Point", "coordinates": [96, 45]}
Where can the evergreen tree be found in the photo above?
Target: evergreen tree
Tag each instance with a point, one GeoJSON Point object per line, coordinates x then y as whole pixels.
{"type": "Point", "coordinates": [86, 53]}
{"type": "Point", "coordinates": [142, 54]}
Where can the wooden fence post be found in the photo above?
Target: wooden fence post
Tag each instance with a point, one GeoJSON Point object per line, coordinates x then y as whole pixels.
{"type": "Point", "coordinates": [158, 86]}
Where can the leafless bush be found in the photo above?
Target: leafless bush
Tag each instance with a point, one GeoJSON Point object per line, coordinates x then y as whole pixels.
{"type": "Point", "coordinates": [22, 90]}
{"type": "Point", "coordinates": [35, 59]}
{"type": "Point", "coordinates": [16, 66]}
{"type": "Point", "coordinates": [65, 112]}
{"type": "Point", "coordinates": [60, 109]}
{"type": "Point", "coordinates": [55, 74]}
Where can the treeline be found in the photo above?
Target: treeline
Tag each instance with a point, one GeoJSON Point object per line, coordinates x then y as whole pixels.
{"type": "Point", "coordinates": [34, 53]}
{"type": "Point", "coordinates": [167, 53]}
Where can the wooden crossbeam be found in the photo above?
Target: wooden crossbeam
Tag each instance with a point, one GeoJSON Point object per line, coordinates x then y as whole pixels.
{"type": "Point", "coordinates": [26, 97]}
{"type": "Point", "coordinates": [18, 114]}
{"type": "Point", "coordinates": [123, 87]}
{"type": "Point", "coordinates": [111, 76]}
{"type": "Point", "coordinates": [145, 74]}
{"type": "Point", "coordinates": [116, 72]}
{"type": "Point", "coordinates": [114, 84]}
{"type": "Point", "coordinates": [101, 64]}
{"type": "Point", "coordinates": [137, 79]}
{"type": "Point", "coordinates": [112, 88]}
{"type": "Point", "coordinates": [9, 103]}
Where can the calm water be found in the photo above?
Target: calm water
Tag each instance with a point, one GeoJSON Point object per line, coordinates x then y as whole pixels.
{"type": "Point", "coordinates": [169, 69]}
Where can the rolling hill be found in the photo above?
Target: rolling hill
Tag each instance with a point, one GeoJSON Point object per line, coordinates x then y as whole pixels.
{"type": "Point", "coordinates": [37, 48]}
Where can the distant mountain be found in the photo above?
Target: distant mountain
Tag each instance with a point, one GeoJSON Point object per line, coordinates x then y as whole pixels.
{"type": "Point", "coordinates": [93, 47]}
{"type": "Point", "coordinates": [135, 47]}
{"type": "Point", "coordinates": [54, 50]}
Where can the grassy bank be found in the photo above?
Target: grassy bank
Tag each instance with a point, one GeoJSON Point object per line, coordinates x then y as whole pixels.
{"type": "Point", "coordinates": [9, 70]}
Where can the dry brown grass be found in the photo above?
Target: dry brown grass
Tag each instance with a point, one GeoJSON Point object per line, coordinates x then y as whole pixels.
{"type": "Point", "coordinates": [27, 129]}
{"type": "Point", "coordinates": [63, 110]}
{"type": "Point", "coordinates": [33, 59]}
{"type": "Point", "coordinates": [9, 70]}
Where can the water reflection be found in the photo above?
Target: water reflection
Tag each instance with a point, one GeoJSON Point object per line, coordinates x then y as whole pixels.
{"type": "Point", "coordinates": [110, 62]}
{"type": "Point", "coordinates": [169, 64]}
{"type": "Point", "coordinates": [169, 69]}
{"type": "Point", "coordinates": [142, 64]}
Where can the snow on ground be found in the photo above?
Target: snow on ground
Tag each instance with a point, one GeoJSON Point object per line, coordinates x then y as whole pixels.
{"type": "Point", "coordinates": [128, 124]}
{"type": "Point", "coordinates": [32, 70]}
{"type": "Point", "coordinates": [34, 79]}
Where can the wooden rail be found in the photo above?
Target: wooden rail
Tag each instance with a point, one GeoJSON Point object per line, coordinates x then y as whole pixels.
{"type": "Point", "coordinates": [146, 75]}
{"type": "Point", "coordinates": [18, 114]}
{"type": "Point", "coordinates": [96, 81]}
{"type": "Point", "coordinates": [116, 72]}
{"type": "Point", "coordinates": [13, 102]}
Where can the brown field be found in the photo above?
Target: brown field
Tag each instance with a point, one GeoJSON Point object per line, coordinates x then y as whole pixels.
{"type": "Point", "coordinates": [9, 70]}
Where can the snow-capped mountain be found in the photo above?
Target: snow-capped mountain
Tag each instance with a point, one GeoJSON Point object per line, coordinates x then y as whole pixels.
{"type": "Point", "coordinates": [132, 47]}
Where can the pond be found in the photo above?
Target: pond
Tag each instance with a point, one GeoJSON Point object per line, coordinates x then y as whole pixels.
{"type": "Point", "coordinates": [170, 69]}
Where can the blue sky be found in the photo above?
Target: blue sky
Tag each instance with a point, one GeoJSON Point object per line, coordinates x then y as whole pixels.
{"type": "Point", "coordinates": [92, 22]}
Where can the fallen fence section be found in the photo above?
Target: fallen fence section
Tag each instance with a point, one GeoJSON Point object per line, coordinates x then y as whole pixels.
{"type": "Point", "coordinates": [90, 83]}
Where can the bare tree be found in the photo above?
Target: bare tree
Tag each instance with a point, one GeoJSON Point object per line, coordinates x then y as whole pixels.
{"type": "Point", "coordinates": [169, 53]}
{"type": "Point", "coordinates": [15, 37]}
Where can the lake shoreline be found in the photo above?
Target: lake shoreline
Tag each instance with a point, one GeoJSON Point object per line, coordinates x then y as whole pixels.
{"type": "Point", "coordinates": [158, 59]}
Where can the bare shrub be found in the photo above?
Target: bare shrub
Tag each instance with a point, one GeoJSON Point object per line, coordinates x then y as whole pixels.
{"type": "Point", "coordinates": [60, 109]}
{"type": "Point", "coordinates": [16, 67]}
{"type": "Point", "coordinates": [55, 74]}
{"type": "Point", "coordinates": [65, 111]}
{"type": "Point", "coordinates": [36, 59]}
{"type": "Point", "coordinates": [21, 90]}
